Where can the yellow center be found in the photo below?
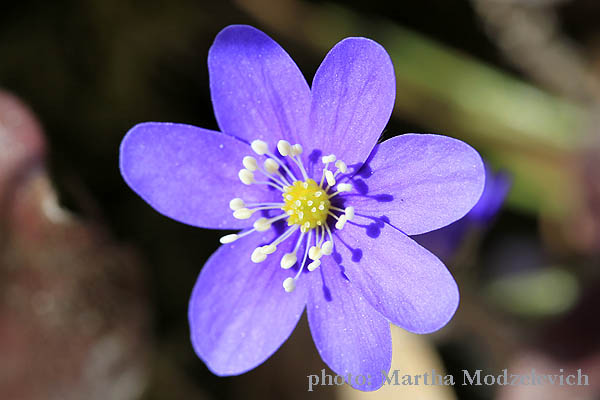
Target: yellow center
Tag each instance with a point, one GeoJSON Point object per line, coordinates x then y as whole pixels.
{"type": "Point", "coordinates": [306, 204]}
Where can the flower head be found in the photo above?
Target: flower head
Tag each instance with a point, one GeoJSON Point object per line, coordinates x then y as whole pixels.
{"type": "Point", "coordinates": [324, 211]}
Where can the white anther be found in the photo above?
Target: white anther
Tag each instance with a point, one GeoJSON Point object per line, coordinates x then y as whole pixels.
{"type": "Point", "coordinates": [242, 213]}
{"type": "Point", "coordinates": [314, 253]}
{"type": "Point", "coordinates": [339, 164]}
{"type": "Point", "coordinates": [341, 222]}
{"type": "Point", "coordinates": [236, 204]}
{"type": "Point", "coordinates": [296, 149]}
{"type": "Point", "coordinates": [260, 147]}
{"type": "Point", "coordinates": [349, 213]}
{"type": "Point", "coordinates": [246, 176]}
{"type": "Point", "coordinates": [269, 249]}
{"type": "Point", "coordinates": [344, 187]}
{"type": "Point", "coordinates": [262, 224]}
{"type": "Point", "coordinates": [229, 238]}
{"type": "Point", "coordinates": [284, 147]}
{"type": "Point", "coordinates": [327, 248]}
{"type": "Point", "coordinates": [288, 260]}
{"type": "Point", "coordinates": [328, 159]}
{"type": "Point", "coordinates": [289, 284]}
{"type": "Point", "coordinates": [271, 166]}
{"type": "Point", "coordinates": [313, 265]}
{"type": "Point", "coordinates": [330, 178]}
{"type": "Point", "coordinates": [250, 163]}
{"type": "Point", "coordinates": [258, 255]}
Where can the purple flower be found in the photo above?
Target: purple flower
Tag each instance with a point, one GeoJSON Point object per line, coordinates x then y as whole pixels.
{"type": "Point", "coordinates": [324, 210]}
{"type": "Point", "coordinates": [497, 185]}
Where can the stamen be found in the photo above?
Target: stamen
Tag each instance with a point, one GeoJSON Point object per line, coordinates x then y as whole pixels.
{"type": "Point", "coordinates": [303, 258]}
{"type": "Point", "coordinates": [277, 205]}
{"type": "Point", "coordinates": [341, 166]}
{"type": "Point", "coordinates": [313, 265]}
{"type": "Point", "coordinates": [271, 166]}
{"type": "Point", "coordinates": [285, 168]}
{"type": "Point", "coordinates": [233, 237]}
{"type": "Point", "coordinates": [341, 187]}
{"type": "Point", "coordinates": [246, 176]}
{"type": "Point", "coordinates": [260, 147]}
{"type": "Point", "coordinates": [344, 187]}
{"type": "Point", "coordinates": [315, 253]}
{"type": "Point", "coordinates": [242, 213]}
{"type": "Point", "coordinates": [329, 234]}
{"type": "Point", "coordinates": [269, 249]}
{"type": "Point", "coordinates": [341, 222]}
{"type": "Point", "coordinates": [262, 224]}
{"type": "Point", "coordinates": [327, 248]}
{"type": "Point", "coordinates": [317, 240]}
{"type": "Point", "coordinates": [284, 147]}
{"type": "Point", "coordinates": [328, 159]}
{"type": "Point", "coordinates": [245, 213]}
{"type": "Point", "coordinates": [288, 260]}
{"type": "Point", "coordinates": [289, 284]}
{"type": "Point", "coordinates": [296, 149]}
{"type": "Point", "coordinates": [349, 212]}
{"type": "Point", "coordinates": [250, 163]}
{"type": "Point", "coordinates": [229, 238]}
{"type": "Point", "coordinates": [333, 215]}
{"type": "Point", "coordinates": [258, 255]}
{"type": "Point", "coordinates": [236, 204]}
{"type": "Point", "coordinates": [330, 178]}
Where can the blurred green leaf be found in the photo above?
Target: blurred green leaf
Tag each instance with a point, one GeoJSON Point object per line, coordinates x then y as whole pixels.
{"type": "Point", "coordinates": [538, 293]}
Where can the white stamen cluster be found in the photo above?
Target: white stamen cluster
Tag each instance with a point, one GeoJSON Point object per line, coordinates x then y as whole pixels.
{"type": "Point", "coordinates": [305, 204]}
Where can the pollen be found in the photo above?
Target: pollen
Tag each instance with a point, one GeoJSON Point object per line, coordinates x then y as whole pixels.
{"type": "Point", "coordinates": [300, 199]}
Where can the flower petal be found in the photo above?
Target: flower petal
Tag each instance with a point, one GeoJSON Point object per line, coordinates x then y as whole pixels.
{"type": "Point", "coordinates": [401, 280]}
{"type": "Point", "coordinates": [257, 90]}
{"type": "Point", "coordinates": [188, 173]}
{"type": "Point", "coordinates": [419, 182]}
{"type": "Point", "coordinates": [352, 338]}
{"type": "Point", "coordinates": [445, 242]}
{"type": "Point", "coordinates": [353, 95]}
{"type": "Point", "coordinates": [239, 313]}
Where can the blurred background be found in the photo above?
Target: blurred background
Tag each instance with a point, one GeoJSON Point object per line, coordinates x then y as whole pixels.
{"type": "Point", "coordinates": [94, 284]}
